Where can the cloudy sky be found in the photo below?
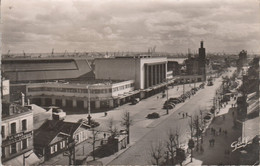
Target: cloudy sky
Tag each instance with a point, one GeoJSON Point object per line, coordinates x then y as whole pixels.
{"type": "Point", "coordinates": [130, 25]}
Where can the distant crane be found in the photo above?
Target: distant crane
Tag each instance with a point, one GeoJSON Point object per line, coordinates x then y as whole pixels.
{"type": "Point", "coordinates": [52, 52]}
{"type": "Point", "coordinates": [151, 50]}
{"type": "Point", "coordinates": [24, 55]}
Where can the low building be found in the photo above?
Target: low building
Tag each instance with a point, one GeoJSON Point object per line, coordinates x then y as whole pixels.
{"type": "Point", "coordinates": [17, 135]}
{"type": "Point", "coordinates": [78, 94]}
{"type": "Point", "coordinates": [52, 138]}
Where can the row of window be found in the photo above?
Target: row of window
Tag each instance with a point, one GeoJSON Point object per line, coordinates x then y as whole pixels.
{"type": "Point", "coordinates": [14, 128]}
{"type": "Point", "coordinates": [123, 87]}
{"type": "Point", "coordinates": [68, 90]}
{"type": "Point", "coordinates": [54, 148]}
{"type": "Point", "coordinates": [13, 147]}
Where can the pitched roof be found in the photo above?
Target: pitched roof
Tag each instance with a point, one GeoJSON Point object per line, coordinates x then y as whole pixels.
{"type": "Point", "coordinates": [51, 128]}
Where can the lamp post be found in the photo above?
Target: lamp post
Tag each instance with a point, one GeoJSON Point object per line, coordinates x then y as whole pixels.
{"type": "Point", "coordinates": [89, 116]}
{"type": "Point", "coordinates": [191, 142]}
{"type": "Point", "coordinates": [167, 96]}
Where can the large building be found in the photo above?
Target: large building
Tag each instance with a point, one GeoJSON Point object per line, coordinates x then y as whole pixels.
{"type": "Point", "coordinates": [17, 135]}
{"type": "Point", "coordinates": [78, 94]}
{"type": "Point", "coordinates": [144, 70]}
{"type": "Point", "coordinates": [44, 69]}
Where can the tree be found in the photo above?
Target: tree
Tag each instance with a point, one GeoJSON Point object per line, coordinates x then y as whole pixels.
{"type": "Point", "coordinates": [157, 153]}
{"type": "Point", "coordinates": [112, 128]}
{"type": "Point", "coordinates": [172, 143]}
{"type": "Point", "coordinates": [127, 122]}
{"type": "Point", "coordinates": [94, 140]}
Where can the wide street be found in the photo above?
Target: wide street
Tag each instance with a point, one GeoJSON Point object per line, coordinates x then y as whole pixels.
{"type": "Point", "coordinates": [145, 131]}
{"type": "Point", "coordinates": [139, 153]}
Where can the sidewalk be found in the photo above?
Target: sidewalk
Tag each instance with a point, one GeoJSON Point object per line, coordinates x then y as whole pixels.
{"type": "Point", "coordinates": [214, 155]}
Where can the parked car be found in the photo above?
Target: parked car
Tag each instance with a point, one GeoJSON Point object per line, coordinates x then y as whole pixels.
{"type": "Point", "coordinates": [175, 99]}
{"type": "Point", "coordinates": [169, 106]}
{"type": "Point", "coordinates": [153, 115]}
{"type": "Point", "coordinates": [135, 100]}
{"type": "Point", "coordinates": [58, 113]}
{"type": "Point", "coordinates": [210, 83]}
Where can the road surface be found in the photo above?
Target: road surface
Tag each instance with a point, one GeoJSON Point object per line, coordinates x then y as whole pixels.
{"type": "Point", "coordinates": [139, 152]}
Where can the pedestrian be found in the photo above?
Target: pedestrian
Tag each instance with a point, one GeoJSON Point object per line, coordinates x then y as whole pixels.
{"type": "Point", "coordinates": [183, 115]}
{"type": "Point", "coordinates": [104, 135]}
{"type": "Point", "coordinates": [157, 97]}
{"type": "Point", "coordinates": [210, 142]}
{"type": "Point", "coordinates": [232, 105]}
{"type": "Point", "coordinates": [223, 117]}
{"type": "Point", "coordinates": [219, 130]}
{"type": "Point", "coordinates": [186, 114]}
{"type": "Point", "coordinates": [201, 149]}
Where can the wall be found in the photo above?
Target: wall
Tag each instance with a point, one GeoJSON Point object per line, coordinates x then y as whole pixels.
{"type": "Point", "coordinates": [115, 68]}
{"type": "Point", "coordinates": [147, 61]}
{"type": "Point", "coordinates": [18, 120]}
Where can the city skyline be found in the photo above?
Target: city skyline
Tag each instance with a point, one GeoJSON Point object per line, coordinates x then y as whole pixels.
{"type": "Point", "coordinates": [113, 25]}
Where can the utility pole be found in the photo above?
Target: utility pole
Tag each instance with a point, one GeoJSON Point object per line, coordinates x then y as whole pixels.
{"type": "Point", "coordinates": [183, 87]}
{"type": "Point", "coordinates": [167, 109]}
{"type": "Point", "coordinates": [89, 116]}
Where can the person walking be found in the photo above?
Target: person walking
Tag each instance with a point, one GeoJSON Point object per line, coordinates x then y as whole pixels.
{"type": "Point", "coordinates": [223, 117]}
{"type": "Point", "coordinates": [183, 115]}
{"type": "Point", "coordinates": [186, 114]}
{"type": "Point", "coordinates": [219, 130]}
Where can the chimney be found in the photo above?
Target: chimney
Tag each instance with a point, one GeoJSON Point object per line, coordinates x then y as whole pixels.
{"type": "Point", "coordinates": [22, 99]}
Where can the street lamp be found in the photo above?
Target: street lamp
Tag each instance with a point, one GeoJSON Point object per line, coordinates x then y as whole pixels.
{"type": "Point", "coordinates": [89, 116]}
{"type": "Point", "coordinates": [191, 142]}
{"type": "Point", "coordinates": [167, 109]}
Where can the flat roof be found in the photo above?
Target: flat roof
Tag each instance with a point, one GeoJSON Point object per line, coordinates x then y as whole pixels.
{"type": "Point", "coordinates": [84, 82]}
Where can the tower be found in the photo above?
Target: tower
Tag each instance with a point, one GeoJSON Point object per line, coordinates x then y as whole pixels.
{"type": "Point", "coordinates": [202, 61]}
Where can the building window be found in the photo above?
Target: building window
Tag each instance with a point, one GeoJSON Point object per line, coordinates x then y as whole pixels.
{"type": "Point", "coordinates": [13, 148]}
{"type": "Point", "coordinates": [62, 144]}
{"type": "Point", "coordinates": [13, 128]}
{"type": "Point", "coordinates": [3, 131]}
{"type": "Point", "coordinates": [24, 124]}
{"type": "Point", "coordinates": [54, 148]}
{"type": "Point", "coordinates": [24, 144]}
{"type": "Point", "coordinates": [3, 152]}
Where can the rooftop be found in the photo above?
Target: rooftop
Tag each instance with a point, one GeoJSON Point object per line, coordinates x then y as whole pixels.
{"type": "Point", "coordinates": [82, 82]}
{"type": "Point", "coordinates": [51, 128]}
{"type": "Point", "coordinates": [10, 110]}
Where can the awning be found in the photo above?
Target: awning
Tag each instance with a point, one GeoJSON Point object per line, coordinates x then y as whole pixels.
{"type": "Point", "coordinates": [31, 160]}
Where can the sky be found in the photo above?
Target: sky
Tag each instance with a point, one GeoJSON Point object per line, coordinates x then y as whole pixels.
{"type": "Point", "coordinates": [38, 26]}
